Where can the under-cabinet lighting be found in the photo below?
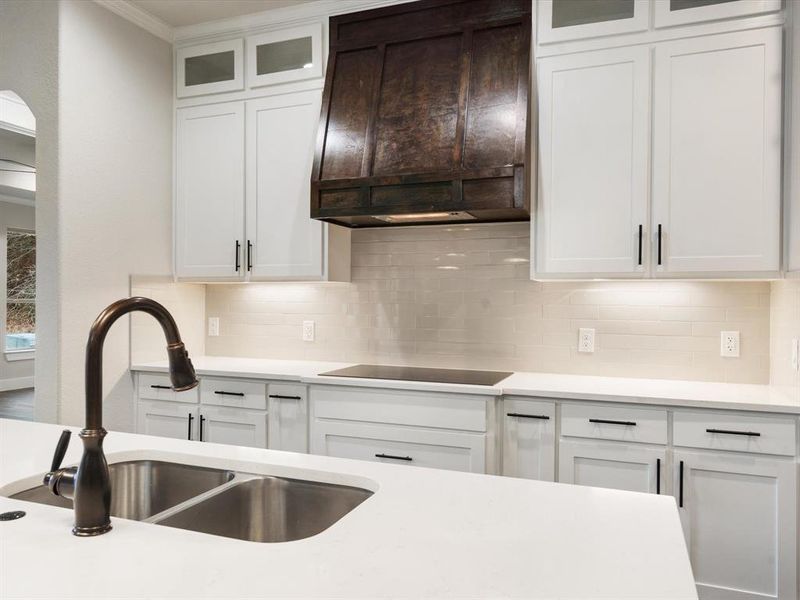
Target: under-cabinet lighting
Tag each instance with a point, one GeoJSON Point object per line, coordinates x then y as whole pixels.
{"type": "Point", "coordinates": [308, 65]}
{"type": "Point", "coordinates": [432, 216]}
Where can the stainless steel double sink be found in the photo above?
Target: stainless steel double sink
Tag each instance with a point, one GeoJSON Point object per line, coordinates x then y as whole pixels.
{"type": "Point", "coordinates": [256, 508]}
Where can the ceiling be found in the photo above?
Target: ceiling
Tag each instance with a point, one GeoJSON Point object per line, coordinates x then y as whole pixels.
{"type": "Point", "coordinates": [178, 13]}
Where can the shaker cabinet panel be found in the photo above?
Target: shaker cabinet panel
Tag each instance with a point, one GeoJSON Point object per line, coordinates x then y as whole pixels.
{"type": "Point", "coordinates": [283, 241]}
{"type": "Point", "coordinates": [529, 439]}
{"type": "Point", "coordinates": [594, 155]}
{"type": "Point", "coordinates": [717, 154]}
{"type": "Point", "coordinates": [176, 420]}
{"type": "Point", "coordinates": [288, 417]}
{"type": "Point", "coordinates": [739, 514]}
{"type": "Point", "coordinates": [209, 182]}
{"type": "Point", "coordinates": [233, 426]}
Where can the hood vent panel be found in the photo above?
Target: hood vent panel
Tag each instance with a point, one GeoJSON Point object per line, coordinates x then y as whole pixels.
{"type": "Point", "coordinates": [424, 115]}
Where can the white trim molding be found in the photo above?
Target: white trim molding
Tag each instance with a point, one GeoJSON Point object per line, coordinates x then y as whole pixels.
{"type": "Point", "coordinates": [139, 17]}
{"type": "Point", "coordinates": [17, 383]}
{"type": "Point", "coordinates": [15, 355]}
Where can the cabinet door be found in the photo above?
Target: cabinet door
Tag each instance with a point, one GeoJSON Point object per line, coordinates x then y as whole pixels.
{"type": "Point", "coordinates": [285, 55]}
{"type": "Point", "coordinates": [209, 68]}
{"type": "Point", "coordinates": [613, 465]}
{"type": "Point", "coordinates": [288, 417]}
{"type": "Point", "coordinates": [681, 12]}
{"type": "Point", "coordinates": [717, 154]}
{"type": "Point", "coordinates": [561, 20]}
{"type": "Point", "coordinates": [284, 242]}
{"type": "Point", "coordinates": [739, 515]}
{"type": "Point", "coordinates": [209, 219]}
{"type": "Point", "coordinates": [400, 445]}
{"type": "Point", "coordinates": [167, 419]}
{"type": "Point", "coordinates": [594, 154]}
{"type": "Point", "coordinates": [234, 426]}
{"type": "Point", "coordinates": [529, 439]}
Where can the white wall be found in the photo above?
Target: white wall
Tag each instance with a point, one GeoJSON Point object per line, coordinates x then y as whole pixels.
{"type": "Point", "coordinates": [115, 207]}
{"type": "Point", "coordinates": [13, 374]}
{"type": "Point", "coordinates": [29, 66]}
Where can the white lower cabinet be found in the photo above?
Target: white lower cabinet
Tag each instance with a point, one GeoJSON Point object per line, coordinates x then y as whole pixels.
{"type": "Point", "coordinates": [739, 515]}
{"type": "Point", "coordinates": [529, 443]}
{"type": "Point", "coordinates": [167, 419]}
{"type": "Point", "coordinates": [233, 426]}
{"type": "Point", "coordinates": [288, 417]}
{"type": "Point", "coordinates": [620, 466]}
{"type": "Point", "coordinates": [455, 451]}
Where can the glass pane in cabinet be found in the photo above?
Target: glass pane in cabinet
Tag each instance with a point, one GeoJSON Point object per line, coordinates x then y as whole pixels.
{"type": "Point", "coordinates": [283, 56]}
{"type": "Point", "coordinates": [210, 68]}
{"type": "Point", "coordinates": [568, 13]}
{"type": "Point", "coordinates": [684, 4]}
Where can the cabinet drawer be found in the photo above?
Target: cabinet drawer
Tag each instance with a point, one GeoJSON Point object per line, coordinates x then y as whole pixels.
{"type": "Point", "coordinates": [743, 433]}
{"type": "Point", "coordinates": [622, 423]}
{"type": "Point", "coordinates": [234, 393]}
{"type": "Point", "coordinates": [424, 409]}
{"type": "Point", "coordinates": [401, 445]}
{"type": "Point", "coordinates": [158, 387]}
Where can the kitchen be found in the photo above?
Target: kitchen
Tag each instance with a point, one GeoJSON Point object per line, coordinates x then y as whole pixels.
{"type": "Point", "coordinates": [576, 218]}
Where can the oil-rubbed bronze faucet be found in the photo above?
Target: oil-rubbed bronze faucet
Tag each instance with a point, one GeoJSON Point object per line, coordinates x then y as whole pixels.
{"type": "Point", "coordinates": [89, 485]}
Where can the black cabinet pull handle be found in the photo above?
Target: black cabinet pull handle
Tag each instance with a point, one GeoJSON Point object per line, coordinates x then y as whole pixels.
{"type": "Point", "coordinates": [680, 486]}
{"type": "Point", "coordinates": [658, 476]}
{"type": "Point", "coordinates": [607, 422]}
{"type": "Point", "coordinates": [238, 247]}
{"type": "Point", "coordinates": [161, 387]}
{"type": "Point", "coordinates": [640, 243]}
{"type": "Point", "coordinates": [202, 420]}
{"type": "Point", "coordinates": [731, 432]}
{"type": "Point", "coordinates": [280, 397]}
{"type": "Point", "coordinates": [249, 256]}
{"type": "Point", "coordinates": [659, 243]}
{"type": "Point", "coordinates": [522, 416]}
{"type": "Point", "coordinates": [406, 458]}
{"type": "Point", "coordinates": [229, 393]}
{"type": "Point", "coordinates": [189, 435]}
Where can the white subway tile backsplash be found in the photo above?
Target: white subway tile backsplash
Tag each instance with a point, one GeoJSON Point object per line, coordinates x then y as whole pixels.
{"type": "Point", "coordinates": [460, 296]}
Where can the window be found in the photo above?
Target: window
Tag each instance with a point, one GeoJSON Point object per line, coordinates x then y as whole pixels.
{"type": "Point", "coordinates": [21, 291]}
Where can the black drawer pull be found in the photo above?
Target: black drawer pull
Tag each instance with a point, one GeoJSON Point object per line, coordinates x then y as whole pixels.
{"type": "Point", "coordinates": [730, 432]}
{"type": "Point", "coordinates": [202, 420]}
{"type": "Point", "coordinates": [280, 397]}
{"type": "Point", "coordinates": [680, 486]}
{"type": "Point", "coordinates": [161, 387]}
{"type": "Point", "coordinates": [607, 422]}
{"type": "Point", "coordinates": [658, 476]}
{"type": "Point", "coordinates": [406, 458]}
{"type": "Point", "coordinates": [640, 244]}
{"type": "Point", "coordinates": [189, 435]}
{"type": "Point", "coordinates": [522, 416]}
{"type": "Point", "coordinates": [230, 393]}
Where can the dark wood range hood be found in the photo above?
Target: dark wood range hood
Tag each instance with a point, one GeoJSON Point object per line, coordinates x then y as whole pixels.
{"type": "Point", "coordinates": [425, 115]}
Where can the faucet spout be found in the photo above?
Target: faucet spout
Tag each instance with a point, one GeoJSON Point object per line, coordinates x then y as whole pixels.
{"type": "Point", "coordinates": [89, 485]}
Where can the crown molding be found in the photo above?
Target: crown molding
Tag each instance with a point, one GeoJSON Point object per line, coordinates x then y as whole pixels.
{"type": "Point", "coordinates": [17, 200]}
{"type": "Point", "coordinates": [139, 17]}
{"type": "Point", "coordinates": [275, 18]}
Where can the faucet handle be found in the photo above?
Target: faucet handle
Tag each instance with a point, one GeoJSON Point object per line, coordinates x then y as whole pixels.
{"type": "Point", "coordinates": [61, 449]}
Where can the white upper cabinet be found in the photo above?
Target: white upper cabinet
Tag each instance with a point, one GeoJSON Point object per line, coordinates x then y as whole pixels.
{"type": "Point", "coordinates": [717, 154]}
{"type": "Point", "coordinates": [669, 13]}
{"type": "Point", "coordinates": [210, 68]}
{"type": "Point", "coordinates": [209, 187]}
{"type": "Point", "coordinates": [285, 55]}
{"type": "Point", "coordinates": [562, 20]}
{"type": "Point", "coordinates": [594, 156]}
{"type": "Point", "coordinates": [283, 241]}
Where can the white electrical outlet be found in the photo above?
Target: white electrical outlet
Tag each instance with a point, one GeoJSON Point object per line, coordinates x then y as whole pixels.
{"type": "Point", "coordinates": [213, 326]}
{"type": "Point", "coordinates": [729, 344]}
{"type": "Point", "coordinates": [796, 354]}
{"type": "Point", "coordinates": [585, 340]}
{"type": "Point", "coordinates": [308, 331]}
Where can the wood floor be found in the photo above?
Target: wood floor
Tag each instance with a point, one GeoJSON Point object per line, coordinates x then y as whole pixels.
{"type": "Point", "coordinates": [17, 404]}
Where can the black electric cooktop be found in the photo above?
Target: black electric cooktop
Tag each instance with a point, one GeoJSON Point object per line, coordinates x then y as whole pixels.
{"type": "Point", "coordinates": [461, 376]}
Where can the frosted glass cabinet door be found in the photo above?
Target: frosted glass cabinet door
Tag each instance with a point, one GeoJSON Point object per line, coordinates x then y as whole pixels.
{"type": "Point", "coordinates": [615, 465]}
{"type": "Point", "coordinates": [682, 12]}
{"type": "Point", "coordinates": [209, 182]}
{"type": "Point", "coordinates": [210, 68]}
{"type": "Point", "coordinates": [285, 55]}
{"type": "Point", "coordinates": [739, 515]}
{"type": "Point", "coordinates": [717, 154]}
{"type": "Point", "coordinates": [562, 20]}
{"type": "Point", "coordinates": [594, 113]}
{"type": "Point", "coordinates": [286, 242]}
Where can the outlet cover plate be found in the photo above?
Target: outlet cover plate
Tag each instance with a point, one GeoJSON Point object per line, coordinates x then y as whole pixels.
{"type": "Point", "coordinates": [308, 331]}
{"type": "Point", "coordinates": [729, 344]}
{"type": "Point", "coordinates": [213, 326]}
{"type": "Point", "coordinates": [585, 340]}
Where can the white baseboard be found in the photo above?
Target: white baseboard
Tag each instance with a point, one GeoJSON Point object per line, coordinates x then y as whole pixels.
{"type": "Point", "coordinates": [17, 383]}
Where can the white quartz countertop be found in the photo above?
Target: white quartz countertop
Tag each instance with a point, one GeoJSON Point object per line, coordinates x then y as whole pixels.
{"type": "Point", "coordinates": [424, 533]}
{"type": "Point", "coordinates": [698, 394]}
